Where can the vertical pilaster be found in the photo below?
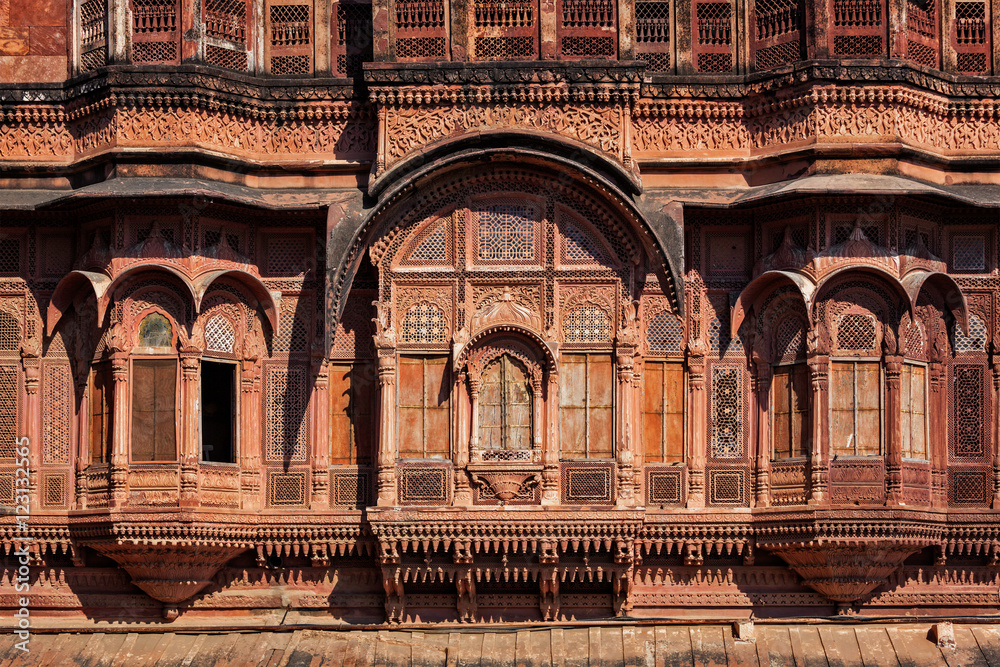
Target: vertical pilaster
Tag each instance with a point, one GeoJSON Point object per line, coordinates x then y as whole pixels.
{"type": "Point", "coordinates": [550, 451]}
{"type": "Point", "coordinates": [819, 460]}
{"type": "Point", "coordinates": [382, 46]}
{"type": "Point", "coordinates": [893, 430]}
{"type": "Point", "coordinates": [250, 434]}
{"type": "Point", "coordinates": [548, 48]}
{"type": "Point", "coordinates": [323, 41]}
{"type": "Point", "coordinates": [683, 25]}
{"type": "Point", "coordinates": [896, 19]}
{"type": "Point", "coordinates": [119, 34]}
{"type": "Point", "coordinates": [81, 453]}
{"type": "Point", "coordinates": [949, 58]}
{"type": "Point", "coordinates": [32, 366]}
{"type": "Point", "coordinates": [762, 386]}
{"type": "Point", "coordinates": [460, 455]}
{"type": "Point", "coordinates": [625, 449]}
{"type": "Point", "coordinates": [192, 28]}
{"type": "Point", "coordinates": [387, 428]}
{"type": "Point", "coordinates": [938, 443]}
{"type": "Point", "coordinates": [626, 29]}
{"type": "Point", "coordinates": [817, 26]}
{"type": "Point", "coordinates": [697, 417]}
{"type": "Point", "coordinates": [321, 436]}
{"type": "Point", "coordinates": [120, 430]}
{"type": "Point", "coordinates": [462, 20]}
{"type": "Point", "coordinates": [996, 434]}
{"type": "Point", "coordinates": [190, 399]}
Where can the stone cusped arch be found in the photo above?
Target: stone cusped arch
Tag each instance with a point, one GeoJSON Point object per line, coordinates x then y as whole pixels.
{"type": "Point", "coordinates": [524, 343]}
{"type": "Point", "coordinates": [409, 189]}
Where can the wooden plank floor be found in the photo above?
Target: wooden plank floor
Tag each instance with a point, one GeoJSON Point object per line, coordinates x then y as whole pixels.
{"type": "Point", "coordinates": [646, 645]}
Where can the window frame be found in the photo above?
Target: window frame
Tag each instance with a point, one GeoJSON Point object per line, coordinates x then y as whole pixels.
{"type": "Point", "coordinates": [177, 404]}
{"type": "Point", "coordinates": [236, 410]}
{"type": "Point", "coordinates": [881, 406]}
{"type": "Point", "coordinates": [353, 459]}
{"type": "Point", "coordinates": [806, 446]}
{"type": "Point", "coordinates": [586, 408]}
{"type": "Point", "coordinates": [448, 407]}
{"type": "Point", "coordinates": [505, 427]}
{"type": "Point", "coordinates": [663, 413]}
{"type": "Point", "coordinates": [107, 416]}
{"type": "Point", "coordinates": [902, 404]}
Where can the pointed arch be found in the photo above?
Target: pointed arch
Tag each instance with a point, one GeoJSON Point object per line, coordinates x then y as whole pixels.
{"type": "Point", "coordinates": [763, 285]}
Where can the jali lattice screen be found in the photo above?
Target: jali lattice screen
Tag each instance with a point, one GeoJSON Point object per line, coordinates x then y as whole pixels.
{"type": "Point", "coordinates": [776, 33]}
{"type": "Point", "coordinates": [155, 32]}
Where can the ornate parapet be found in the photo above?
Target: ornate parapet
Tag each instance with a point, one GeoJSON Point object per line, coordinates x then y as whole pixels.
{"type": "Point", "coordinates": [419, 106]}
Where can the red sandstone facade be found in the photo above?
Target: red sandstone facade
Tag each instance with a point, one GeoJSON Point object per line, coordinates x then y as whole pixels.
{"type": "Point", "coordinates": [414, 310]}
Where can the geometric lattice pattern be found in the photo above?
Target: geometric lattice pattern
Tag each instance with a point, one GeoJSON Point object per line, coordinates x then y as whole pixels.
{"type": "Point", "coordinates": [770, 57]}
{"type": "Point", "coordinates": [54, 490]}
{"type": "Point", "coordinates": [586, 46]}
{"type": "Point", "coordinates": [154, 16]}
{"type": "Point", "coordinates": [727, 487]}
{"type": "Point", "coordinates": [226, 58]}
{"type": "Point", "coordinates": [513, 14]}
{"type": "Point", "coordinates": [423, 323]}
{"type": "Point", "coordinates": [973, 488]}
{"type": "Point", "coordinates": [433, 247]}
{"type": "Point", "coordinates": [286, 489]}
{"type": "Point", "coordinates": [975, 341]}
{"type": "Point", "coordinates": [286, 256]}
{"type": "Point", "coordinates": [663, 487]}
{"type": "Point", "coordinates": [969, 414]}
{"type": "Point", "coordinates": [421, 47]}
{"type": "Point", "coordinates": [856, 333]}
{"type": "Point", "coordinates": [290, 65]}
{"type": "Point", "coordinates": [587, 324]}
{"type": "Point", "coordinates": [10, 332]}
{"type": "Point", "coordinates": [92, 34]}
{"type": "Point", "coordinates": [8, 411]}
{"type": "Point", "coordinates": [219, 335]}
{"type": "Point", "coordinates": [423, 485]}
{"type": "Point", "coordinates": [506, 233]}
{"type": "Point", "coordinates": [968, 253]}
{"type": "Point", "coordinates": [285, 422]}
{"type": "Point", "coordinates": [580, 247]}
{"type": "Point", "coordinates": [292, 333]}
{"type": "Point", "coordinates": [652, 22]}
{"type": "Point", "coordinates": [665, 333]}
{"type": "Point", "coordinates": [153, 52]}
{"type": "Point", "coordinates": [590, 484]}
{"type": "Point", "coordinates": [789, 339]}
{"type": "Point", "coordinates": [56, 413]}
{"type": "Point", "coordinates": [727, 412]}
{"type": "Point", "coordinates": [10, 256]}
{"type": "Point", "coordinates": [504, 48]}
{"type": "Point", "coordinates": [349, 489]}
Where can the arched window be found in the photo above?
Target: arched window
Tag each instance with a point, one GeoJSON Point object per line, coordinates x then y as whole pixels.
{"type": "Point", "coordinates": [856, 386]}
{"type": "Point", "coordinates": [154, 393]}
{"type": "Point", "coordinates": [505, 406]}
{"type": "Point", "coordinates": [789, 391]}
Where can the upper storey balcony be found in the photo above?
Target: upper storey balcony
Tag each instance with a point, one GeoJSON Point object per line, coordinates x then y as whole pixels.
{"type": "Point", "coordinates": [332, 39]}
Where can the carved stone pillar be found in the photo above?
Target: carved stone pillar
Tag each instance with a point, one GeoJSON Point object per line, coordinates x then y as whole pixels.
{"type": "Point", "coordinates": [684, 25]}
{"type": "Point", "coordinates": [550, 451]}
{"type": "Point", "coordinates": [460, 457]}
{"type": "Point", "coordinates": [120, 430]}
{"type": "Point", "coordinates": [696, 428]}
{"type": "Point", "coordinates": [893, 430]}
{"type": "Point", "coordinates": [548, 581]}
{"type": "Point", "coordinates": [762, 387]}
{"type": "Point", "coordinates": [119, 32]}
{"type": "Point", "coordinates": [321, 436]}
{"type": "Point", "coordinates": [81, 453]}
{"type": "Point", "coordinates": [897, 28]}
{"type": "Point", "coordinates": [817, 28]}
{"type": "Point", "coordinates": [474, 413]}
{"type": "Point", "coordinates": [949, 59]}
{"type": "Point", "coordinates": [250, 434]}
{"type": "Point", "coordinates": [387, 427]}
{"type": "Point", "coordinates": [625, 449]}
{"type": "Point", "coordinates": [32, 366]}
{"type": "Point", "coordinates": [190, 389]}
{"type": "Point", "coordinates": [819, 460]}
{"type": "Point", "coordinates": [548, 49]}
{"type": "Point", "coordinates": [937, 414]}
{"type": "Point", "coordinates": [996, 434]}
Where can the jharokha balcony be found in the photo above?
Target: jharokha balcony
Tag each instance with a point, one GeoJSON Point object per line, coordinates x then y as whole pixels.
{"type": "Point", "coordinates": [399, 312]}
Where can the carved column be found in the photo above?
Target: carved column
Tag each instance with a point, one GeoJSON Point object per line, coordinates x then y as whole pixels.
{"type": "Point", "coordinates": [190, 389]}
{"type": "Point", "coordinates": [460, 457]}
{"type": "Point", "coordinates": [32, 365]}
{"type": "Point", "coordinates": [819, 460]}
{"type": "Point", "coordinates": [548, 581]}
{"type": "Point", "coordinates": [321, 436]}
{"type": "Point", "coordinates": [550, 451]}
{"type": "Point", "coordinates": [474, 413]}
{"type": "Point", "coordinates": [626, 30]}
{"type": "Point", "coordinates": [949, 59]}
{"type": "Point", "coordinates": [387, 427]}
{"type": "Point", "coordinates": [937, 414]}
{"type": "Point", "coordinates": [120, 422]}
{"type": "Point", "coordinates": [893, 430]}
{"type": "Point", "coordinates": [548, 49]}
{"type": "Point", "coordinates": [119, 33]}
{"type": "Point", "coordinates": [625, 453]}
{"type": "Point", "coordinates": [696, 427]}
{"type": "Point", "coordinates": [82, 455]}
{"type": "Point", "coordinates": [683, 23]}
{"type": "Point", "coordinates": [817, 28]}
{"type": "Point", "coordinates": [896, 17]}
{"type": "Point", "coordinates": [250, 435]}
{"type": "Point", "coordinates": [996, 435]}
{"type": "Point", "coordinates": [763, 391]}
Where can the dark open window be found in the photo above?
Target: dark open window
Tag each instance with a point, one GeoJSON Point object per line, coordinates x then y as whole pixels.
{"type": "Point", "coordinates": [790, 411]}
{"type": "Point", "coordinates": [218, 412]}
{"type": "Point", "coordinates": [154, 410]}
{"type": "Point", "coordinates": [352, 419]}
